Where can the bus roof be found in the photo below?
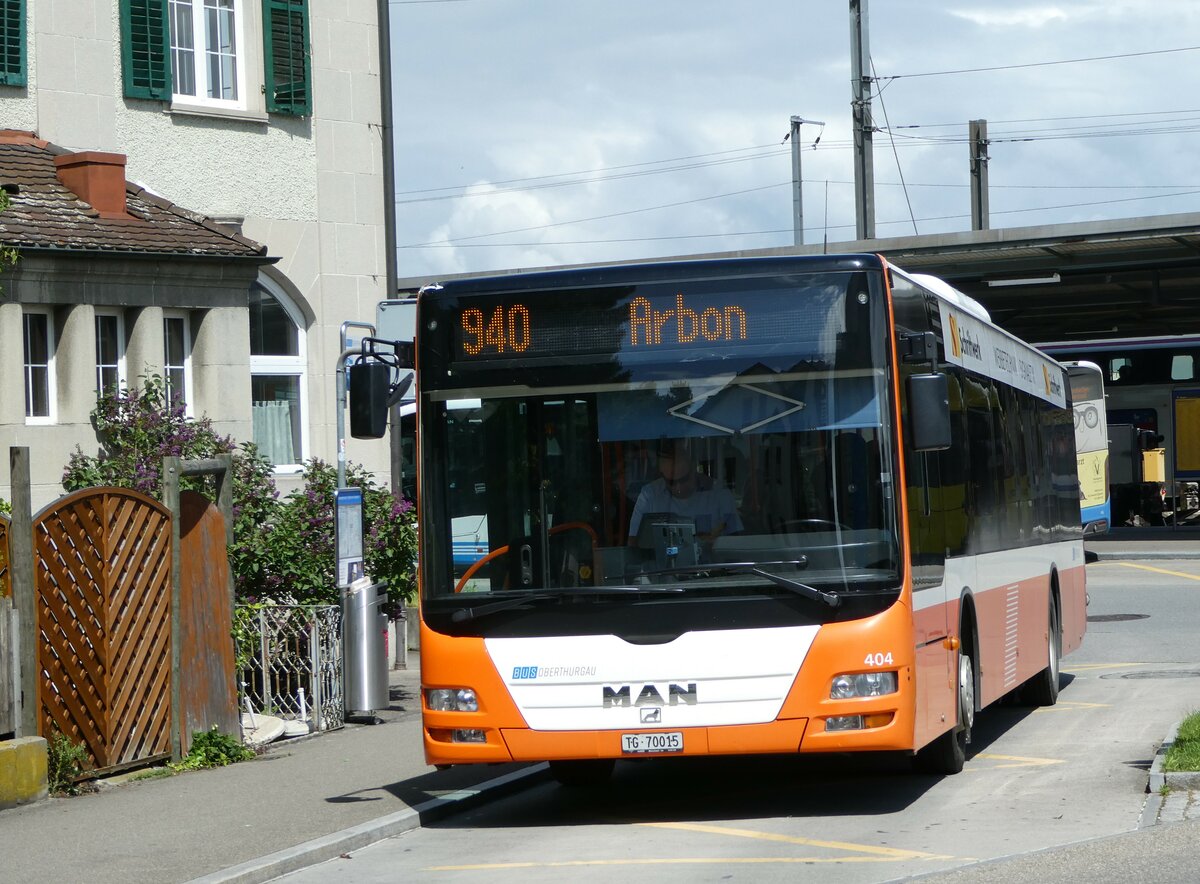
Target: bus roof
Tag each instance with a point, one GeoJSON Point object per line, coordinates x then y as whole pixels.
{"type": "Point", "coordinates": [673, 271]}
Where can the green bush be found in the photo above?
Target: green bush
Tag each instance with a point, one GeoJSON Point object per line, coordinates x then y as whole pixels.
{"type": "Point", "coordinates": [212, 748]}
{"type": "Point", "coordinates": [64, 762]}
{"type": "Point", "coordinates": [283, 549]}
{"type": "Point", "coordinates": [5, 507]}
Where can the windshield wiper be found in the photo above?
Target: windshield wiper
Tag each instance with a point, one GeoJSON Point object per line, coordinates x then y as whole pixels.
{"type": "Point", "coordinates": [803, 589]}
{"type": "Point", "coordinates": [464, 614]}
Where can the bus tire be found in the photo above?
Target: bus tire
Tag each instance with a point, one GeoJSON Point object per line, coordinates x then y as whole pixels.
{"type": "Point", "coordinates": [947, 754]}
{"type": "Point", "coordinates": [583, 772]}
{"type": "Point", "coordinates": [1042, 689]}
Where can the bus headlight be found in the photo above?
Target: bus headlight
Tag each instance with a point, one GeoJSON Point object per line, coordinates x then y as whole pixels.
{"type": "Point", "coordinates": [864, 684]}
{"type": "Point", "coordinates": [451, 700]}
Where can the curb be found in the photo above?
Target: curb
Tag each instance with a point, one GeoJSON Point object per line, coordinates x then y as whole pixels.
{"type": "Point", "coordinates": [1165, 804]}
{"type": "Point", "coordinates": [1128, 555]}
{"type": "Point", "coordinates": [318, 850]}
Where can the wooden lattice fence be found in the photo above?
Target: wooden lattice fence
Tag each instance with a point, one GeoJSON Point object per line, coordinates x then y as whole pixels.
{"type": "Point", "coordinates": [103, 595]}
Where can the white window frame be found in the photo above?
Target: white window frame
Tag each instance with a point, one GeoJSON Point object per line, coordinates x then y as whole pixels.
{"type": "Point", "coordinates": [294, 366]}
{"type": "Point", "coordinates": [200, 51]}
{"type": "Point", "coordinates": [120, 366]}
{"type": "Point", "coordinates": [188, 392]}
{"type": "Point", "coordinates": [26, 368]}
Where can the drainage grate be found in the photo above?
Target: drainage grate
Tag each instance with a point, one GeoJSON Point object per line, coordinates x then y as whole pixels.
{"type": "Point", "coordinates": [1164, 673]}
{"type": "Point", "coordinates": [1114, 618]}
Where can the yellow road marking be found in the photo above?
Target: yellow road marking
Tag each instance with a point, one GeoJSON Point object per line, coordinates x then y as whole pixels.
{"type": "Point", "coordinates": [890, 852]}
{"type": "Point", "coordinates": [1018, 761]}
{"type": "Point", "coordinates": [1059, 706]}
{"type": "Point", "coordinates": [1087, 667]}
{"type": "Point", "coordinates": [1158, 570]}
{"type": "Point", "coordinates": [869, 853]}
{"type": "Point", "coordinates": [681, 861]}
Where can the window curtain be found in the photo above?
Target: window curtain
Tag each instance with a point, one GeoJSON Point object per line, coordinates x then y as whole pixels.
{"type": "Point", "coordinates": [273, 431]}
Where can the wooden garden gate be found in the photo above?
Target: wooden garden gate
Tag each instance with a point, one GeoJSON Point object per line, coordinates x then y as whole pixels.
{"type": "Point", "coordinates": [103, 594]}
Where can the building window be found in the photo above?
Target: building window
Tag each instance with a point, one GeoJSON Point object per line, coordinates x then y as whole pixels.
{"type": "Point", "coordinates": [277, 375]}
{"type": "Point", "coordinates": [39, 367]}
{"type": "Point", "coordinates": [12, 43]}
{"type": "Point", "coordinates": [110, 353]}
{"type": "Point", "coordinates": [205, 46]}
{"type": "Point", "coordinates": [177, 359]}
{"type": "Point", "coordinates": [193, 51]}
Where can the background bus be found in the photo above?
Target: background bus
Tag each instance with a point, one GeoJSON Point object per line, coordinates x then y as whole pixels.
{"type": "Point", "coordinates": [906, 548]}
{"type": "Point", "coordinates": [1152, 391]}
{"type": "Point", "coordinates": [1091, 445]}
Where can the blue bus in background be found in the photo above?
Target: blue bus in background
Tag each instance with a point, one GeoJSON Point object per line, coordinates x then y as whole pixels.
{"type": "Point", "coordinates": [1091, 445]}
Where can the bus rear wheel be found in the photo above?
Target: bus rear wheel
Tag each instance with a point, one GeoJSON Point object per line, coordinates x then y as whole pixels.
{"type": "Point", "coordinates": [583, 772]}
{"type": "Point", "coordinates": [1042, 689]}
{"type": "Point", "coordinates": [948, 753]}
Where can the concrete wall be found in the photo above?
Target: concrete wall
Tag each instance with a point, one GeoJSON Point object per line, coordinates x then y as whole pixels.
{"type": "Point", "coordinates": [310, 189]}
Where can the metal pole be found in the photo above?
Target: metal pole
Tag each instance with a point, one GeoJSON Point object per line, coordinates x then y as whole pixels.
{"type": "Point", "coordinates": [864, 128]}
{"type": "Point", "coordinates": [314, 662]}
{"type": "Point", "coordinates": [797, 180]}
{"type": "Point", "coordinates": [340, 407]}
{"type": "Point", "coordinates": [979, 174]}
{"type": "Point", "coordinates": [264, 663]}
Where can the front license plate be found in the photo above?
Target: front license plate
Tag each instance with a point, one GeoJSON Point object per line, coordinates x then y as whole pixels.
{"type": "Point", "coordinates": [636, 744]}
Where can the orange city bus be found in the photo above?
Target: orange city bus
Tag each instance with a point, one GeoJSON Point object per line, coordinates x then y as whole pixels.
{"type": "Point", "coordinates": [896, 543]}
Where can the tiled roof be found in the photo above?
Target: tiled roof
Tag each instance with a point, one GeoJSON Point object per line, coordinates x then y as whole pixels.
{"type": "Point", "coordinates": [44, 214]}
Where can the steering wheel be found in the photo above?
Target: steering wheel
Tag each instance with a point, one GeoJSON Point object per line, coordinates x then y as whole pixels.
{"type": "Point", "coordinates": [503, 550]}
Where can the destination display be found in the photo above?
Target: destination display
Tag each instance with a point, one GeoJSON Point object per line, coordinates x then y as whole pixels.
{"type": "Point", "coordinates": [647, 323]}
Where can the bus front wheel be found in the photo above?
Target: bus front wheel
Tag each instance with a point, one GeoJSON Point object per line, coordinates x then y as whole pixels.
{"type": "Point", "coordinates": [948, 753]}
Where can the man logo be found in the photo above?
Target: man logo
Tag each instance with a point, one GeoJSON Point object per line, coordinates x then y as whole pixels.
{"type": "Point", "coordinates": [649, 696]}
{"type": "Point", "coordinates": [652, 715]}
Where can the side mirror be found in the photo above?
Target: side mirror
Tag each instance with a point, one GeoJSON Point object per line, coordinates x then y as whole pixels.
{"type": "Point", "coordinates": [929, 411]}
{"type": "Point", "coordinates": [368, 383]}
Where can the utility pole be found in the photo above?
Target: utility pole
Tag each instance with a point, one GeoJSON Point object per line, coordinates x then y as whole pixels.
{"type": "Point", "coordinates": [979, 174]}
{"type": "Point", "coordinates": [864, 128]}
{"type": "Point", "coordinates": [797, 196]}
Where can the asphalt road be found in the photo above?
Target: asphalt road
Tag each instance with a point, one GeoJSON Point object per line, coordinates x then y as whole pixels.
{"type": "Point", "coordinates": [1036, 782]}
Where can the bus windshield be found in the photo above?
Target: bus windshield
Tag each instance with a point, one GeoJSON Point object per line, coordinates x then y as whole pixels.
{"type": "Point", "coordinates": [659, 440]}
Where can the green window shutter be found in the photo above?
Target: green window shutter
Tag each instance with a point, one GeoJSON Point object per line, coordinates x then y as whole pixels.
{"type": "Point", "coordinates": [12, 42]}
{"type": "Point", "coordinates": [288, 64]}
{"type": "Point", "coordinates": [146, 49]}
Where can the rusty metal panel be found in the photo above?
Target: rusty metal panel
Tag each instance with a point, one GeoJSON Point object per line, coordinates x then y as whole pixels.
{"type": "Point", "coordinates": [8, 662]}
{"type": "Point", "coordinates": [208, 690]}
{"type": "Point", "coordinates": [102, 575]}
{"type": "Point", "coordinates": [5, 580]}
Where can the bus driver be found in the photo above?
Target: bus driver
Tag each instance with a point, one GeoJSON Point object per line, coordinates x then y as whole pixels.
{"type": "Point", "coordinates": [680, 490]}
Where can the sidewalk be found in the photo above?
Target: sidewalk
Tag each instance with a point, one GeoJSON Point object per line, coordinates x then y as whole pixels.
{"type": "Point", "coordinates": [304, 801]}
{"type": "Point", "coordinates": [1134, 544]}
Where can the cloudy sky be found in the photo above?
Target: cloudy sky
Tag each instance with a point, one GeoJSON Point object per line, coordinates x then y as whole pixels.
{"type": "Point", "coordinates": [532, 133]}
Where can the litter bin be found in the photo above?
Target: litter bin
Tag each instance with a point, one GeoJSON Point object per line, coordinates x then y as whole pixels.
{"type": "Point", "coordinates": [364, 648]}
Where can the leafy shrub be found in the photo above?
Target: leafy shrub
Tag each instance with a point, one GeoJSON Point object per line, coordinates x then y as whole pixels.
{"type": "Point", "coordinates": [64, 762]}
{"type": "Point", "coordinates": [212, 748]}
{"type": "Point", "coordinates": [5, 507]}
{"type": "Point", "coordinates": [282, 550]}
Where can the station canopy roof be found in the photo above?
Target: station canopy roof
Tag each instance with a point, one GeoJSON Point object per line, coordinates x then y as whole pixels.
{"type": "Point", "coordinates": [1094, 280]}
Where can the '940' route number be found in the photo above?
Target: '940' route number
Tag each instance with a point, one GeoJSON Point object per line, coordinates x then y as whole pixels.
{"type": "Point", "coordinates": [878, 659]}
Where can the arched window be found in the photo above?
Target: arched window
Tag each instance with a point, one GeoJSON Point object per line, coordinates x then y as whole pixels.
{"type": "Point", "coordinates": [277, 375]}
